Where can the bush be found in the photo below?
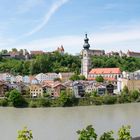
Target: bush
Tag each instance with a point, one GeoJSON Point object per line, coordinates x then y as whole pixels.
{"type": "Point", "coordinates": [97, 100]}
{"type": "Point", "coordinates": [84, 101]}
{"type": "Point", "coordinates": [108, 99]}
{"type": "Point", "coordinates": [124, 98]}
{"type": "Point", "coordinates": [107, 136]}
{"type": "Point", "coordinates": [135, 95]}
{"type": "Point", "coordinates": [3, 102]}
{"type": "Point", "coordinates": [33, 104]}
{"type": "Point", "coordinates": [44, 102]}
{"type": "Point", "coordinates": [16, 98]}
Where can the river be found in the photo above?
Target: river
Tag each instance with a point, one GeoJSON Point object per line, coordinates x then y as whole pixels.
{"type": "Point", "coordinates": [62, 123]}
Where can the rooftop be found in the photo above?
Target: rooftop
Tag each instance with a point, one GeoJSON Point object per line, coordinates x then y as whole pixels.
{"type": "Point", "coordinates": [105, 71]}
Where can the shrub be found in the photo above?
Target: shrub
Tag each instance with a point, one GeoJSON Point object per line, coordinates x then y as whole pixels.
{"type": "Point", "coordinates": [135, 94]}
{"type": "Point", "coordinates": [124, 98]}
{"type": "Point", "coordinates": [97, 100]}
{"type": "Point", "coordinates": [107, 136]}
{"type": "Point", "coordinates": [16, 98]}
{"type": "Point", "coordinates": [108, 99]}
{"type": "Point", "coordinates": [25, 134]}
{"type": "Point", "coordinates": [33, 104]}
{"type": "Point", "coordinates": [43, 102]}
{"type": "Point", "coordinates": [3, 102]}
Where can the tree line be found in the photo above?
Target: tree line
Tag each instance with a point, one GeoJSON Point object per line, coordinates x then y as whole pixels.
{"type": "Point", "coordinates": [56, 62]}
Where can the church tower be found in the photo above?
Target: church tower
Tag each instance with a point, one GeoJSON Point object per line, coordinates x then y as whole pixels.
{"type": "Point", "coordinates": [85, 66]}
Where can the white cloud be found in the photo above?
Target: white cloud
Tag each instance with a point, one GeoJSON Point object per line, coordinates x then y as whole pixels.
{"type": "Point", "coordinates": [118, 40]}
{"type": "Point", "coordinates": [48, 16]}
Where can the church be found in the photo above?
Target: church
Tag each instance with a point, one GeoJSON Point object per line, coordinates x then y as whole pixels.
{"type": "Point", "coordinates": [86, 55]}
{"type": "Point", "coordinates": [109, 74]}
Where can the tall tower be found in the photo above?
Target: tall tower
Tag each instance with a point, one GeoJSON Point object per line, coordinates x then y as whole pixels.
{"type": "Point", "coordinates": [85, 57]}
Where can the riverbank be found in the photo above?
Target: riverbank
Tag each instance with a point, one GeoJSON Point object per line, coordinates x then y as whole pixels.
{"type": "Point", "coordinates": [69, 101]}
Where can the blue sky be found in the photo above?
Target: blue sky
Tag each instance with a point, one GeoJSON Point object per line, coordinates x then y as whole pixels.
{"type": "Point", "coordinates": [46, 24]}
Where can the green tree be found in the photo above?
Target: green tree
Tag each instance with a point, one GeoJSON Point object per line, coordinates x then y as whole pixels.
{"type": "Point", "coordinates": [99, 79]}
{"type": "Point", "coordinates": [82, 77]}
{"type": "Point", "coordinates": [87, 134]}
{"type": "Point", "coordinates": [75, 77]}
{"type": "Point", "coordinates": [125, 90]}
{"type": "Point", "coordinates": [124, 133]}
{"type": "Point", "coordinates": [16, 98]}
{"type": "Point", "coordinates": [14, 50]}
{"type": "Point", "coordinates": [63, 99]}
{"type": "Point", "coordinates": [107, 136]}
{"type": "Point", "coordinates": [25, 134]}
{"type": "Point", "coordinates": [4, 52]}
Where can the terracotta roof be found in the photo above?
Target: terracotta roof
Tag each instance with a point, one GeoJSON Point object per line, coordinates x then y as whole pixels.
{"type": "Point", "coordinates": [58, 84]}
{"type": "Point", "coordinates": [105, 71]}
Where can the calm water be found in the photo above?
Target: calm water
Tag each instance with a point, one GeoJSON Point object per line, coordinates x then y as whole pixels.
{"type": "Point", "coordinates": [62, 123]}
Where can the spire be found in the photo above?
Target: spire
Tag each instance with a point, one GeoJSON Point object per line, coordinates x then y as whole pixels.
{"type": "Point", "coordinates": [86, 44]}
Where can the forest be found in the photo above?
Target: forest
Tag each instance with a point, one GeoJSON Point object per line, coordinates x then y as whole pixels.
{"type": "Point", "coordinates": [56, 62]}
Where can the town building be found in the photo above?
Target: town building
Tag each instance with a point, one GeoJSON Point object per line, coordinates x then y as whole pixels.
{"type": "Point", "coordinates": [60, 49]}
{"type": "Point", "coordinates": [35, 52]}
{"type": "Point", "coordinates": [131, 84]}
{"type": "Point", "coordinates": [57, 89]}
{"type": "Point", "coordinates": [41, 77]}
{"type": "Point", "coordinates": [109, 74]}
{"type": "Point", "coordinates": [52, 76]}
{"type": "Point", "coordinates": [65, 76]}
{"type": "Point", "coordinates": [26, 79]}
{"type": "Point", "coordinates": [133, 54]}
{"type": "Point", "coordinates": [36, 90]}
{"type": "Point", "coordinates": [78, 89]}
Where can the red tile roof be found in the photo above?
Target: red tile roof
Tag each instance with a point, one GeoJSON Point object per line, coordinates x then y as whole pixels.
{"type": "Point", "coordinates": [105, 71]}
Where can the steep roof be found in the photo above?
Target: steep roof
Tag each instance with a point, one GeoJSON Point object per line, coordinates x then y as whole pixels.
{"type": "Point", "coordinates": [105, 71]}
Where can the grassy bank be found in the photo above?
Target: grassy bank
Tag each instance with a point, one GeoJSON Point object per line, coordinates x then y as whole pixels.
{"type": "Point", "coordinates": [71, 101]}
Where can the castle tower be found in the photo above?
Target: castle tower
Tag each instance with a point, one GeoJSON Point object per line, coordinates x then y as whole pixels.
{"type": "Point", "coordinates": [85, 66]}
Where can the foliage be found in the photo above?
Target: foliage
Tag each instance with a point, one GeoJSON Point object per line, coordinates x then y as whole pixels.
{"type": "Point", "coordinates": [124, 63]}
{"type": "Point", "coordinates": [75, 77]}
{"type": "Point", "coordinates": [16, 98]}
{"type": "Point", "coordinates": [54, 62]}
{"type": "Point", "coordinates": [33, 104]}
{"type": "Point", "coordinates": [57, 62]}
{"type": "Point", "coordinates": [57, 79]}
{"type": "Point", "coordinates": [82, 77]}
{"type": "Point", "coordinates": [87, 134]}
{"type": "Point", "coordinates": [99, 78]}
{"type": "Point", "coordinates": [107, 136]}
{"type": "Point", "coordinates": [125, 90]}
{"type": "Point", "coordinates": [124, 133]}
{"type": "Point", "coordinates": [135, 95]}
{"type": "Point", "coordinates": [3, 102]}
{"type": "Point", "coordinates": [109, 99]}
{"type": "Point", "coordinates": [25, 134]}
{"type": "Point", "coordinates": [44, 102]}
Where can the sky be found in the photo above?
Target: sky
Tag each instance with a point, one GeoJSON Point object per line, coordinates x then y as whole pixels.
{"type": "Point", "coordinates": [111, 25]}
